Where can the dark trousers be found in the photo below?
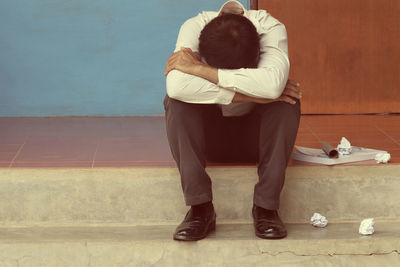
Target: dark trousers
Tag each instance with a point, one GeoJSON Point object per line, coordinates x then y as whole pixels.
{"type": "Point", "coordinates": [198, 133]}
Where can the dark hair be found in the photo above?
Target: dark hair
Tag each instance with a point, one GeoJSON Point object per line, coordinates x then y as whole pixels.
{"type": "Point", "coordinates": [230, 42]}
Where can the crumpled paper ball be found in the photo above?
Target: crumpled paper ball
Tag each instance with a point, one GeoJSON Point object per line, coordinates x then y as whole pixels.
{"type": "Point", "coordinates": [367, 226]}
{"type": "Point", "coordinates": [318, 220]}
{"type": "Point", "coordinates": [382, 157]}
{"type": "Point", "coordinates": [344, 148]}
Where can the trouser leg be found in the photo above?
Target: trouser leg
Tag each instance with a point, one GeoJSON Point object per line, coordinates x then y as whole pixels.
{"type": "Point", "coordinates": [197, 132]}
{"type": "Point", "coordinates": [185, 125]}
{"type": "Point", "coordinates": [279, 122]}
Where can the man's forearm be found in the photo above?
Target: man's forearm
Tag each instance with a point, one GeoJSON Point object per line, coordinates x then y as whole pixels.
{"type": "Point", "coordinates": [206, 72]}
{"type": "Point", "coordinates": [211, 74]}
{"type": "Point", "coordinates": [238, 97]}
{"type": "Point", "coordinates": [189, 62]}
{"type": "Point", "coordinates": [289, 95]}
{"type": "Point", "coordinates": [193, 89]}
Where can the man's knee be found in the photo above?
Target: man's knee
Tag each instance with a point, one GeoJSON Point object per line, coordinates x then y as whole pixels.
{"type": "Point", "coordinates": [175, 106]}
{"type": "Point", "coordinates": [292, 110]}
{"type": "Point", "coordinates": [190, 112]}
{"type": "Point", "coordinates": [180, 113]}
{"type": "Point", "coordinates": [282, 111]}
{"type": "Point", "coordinates": [184, 117]}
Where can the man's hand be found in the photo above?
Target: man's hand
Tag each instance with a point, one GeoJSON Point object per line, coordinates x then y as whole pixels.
{"type": "Point", "coordinates": [291, 91]}
{"type": "Point", "coordinates": [184, 60]}
{"type": "Point", "coordinates": [189, 62]}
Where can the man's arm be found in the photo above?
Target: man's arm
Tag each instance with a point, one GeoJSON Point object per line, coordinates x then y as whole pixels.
{"type": "Point", "coordinates": [188, 62]}
{"type": "Point", "coordinates": [192, 81]}
{"type": "Point", "coordinates": [289, 94]}
{"type": "Point", "coordinates": [201, 85]}
{"type": "Point", "coordinates": [193, 88]}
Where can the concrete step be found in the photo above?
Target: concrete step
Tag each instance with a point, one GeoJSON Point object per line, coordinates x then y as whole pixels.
{"type": "Point", "coordinates": [136, 196]}
{"type": "Point", "coordinates": [230, 245]}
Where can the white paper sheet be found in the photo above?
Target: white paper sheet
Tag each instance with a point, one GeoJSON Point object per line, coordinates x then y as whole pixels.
{"type": "Point", "coordinates": [315, 155]}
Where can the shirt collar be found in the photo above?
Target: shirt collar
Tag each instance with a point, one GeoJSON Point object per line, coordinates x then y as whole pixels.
{"type": "Point", "coordinates": [232, 7]}
{"type": "Point", "coordinates": [235, 7]}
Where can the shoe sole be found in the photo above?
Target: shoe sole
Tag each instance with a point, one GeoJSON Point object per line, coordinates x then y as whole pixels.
{"type": "Point", "coordinates": [211, 228]}
{"type": "Point", "coordinates": [270, 237]}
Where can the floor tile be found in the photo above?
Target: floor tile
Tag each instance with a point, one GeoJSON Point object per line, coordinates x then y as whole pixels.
{"type": "Point", "coordinates": [12, 139]}
{"type": "Point", "coordinates": [15, 130]}
{"type": "Point", "coordinates": [363, 139]}
{"type": "Point", "coordinates": [393, 134]}
{"type": "Point", "coordinates": [8, 152]}
{"type": "Point", "coordinates": [310, 145]}
{"type": "Point", "coordinates": [329, 129]}
{"type": "Point", "coordinates": [142, 126]}
{"type": "Point", "coordinates": [133, 151]}
{"type": "Point", "coordinates": [303, 127]}
{"type": "Point", "coordinates": [4, 164]}
{"type": "Point", "coordinates": [57, 149]}
{"type": "Point", "coordinates": [395, 156]}
{"type": "Point", "coordinates": [151, 163]}
{"type": "Point", "coordinates": [341, 129]}
{"type": "Point", "coordinates": [17, 125]}
{"type": "Point", "coordinates": [391, 122]}
{"type": "Point", "coordinates": [307, 136]}
{"type": "Point", "coordinates": [75, 126]}
{"type": "Point", "coordinates": [52, 164]}
{"type": "Point", "coordinates": [337, 120]}
{"type": "Point", "coordinates": [151, 137]}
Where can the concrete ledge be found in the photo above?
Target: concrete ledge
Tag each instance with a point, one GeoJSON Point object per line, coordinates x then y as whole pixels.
{"type": "Point", "coordinates": [230, 245]}
{"type": "Point", "coordinates": [153, 195]}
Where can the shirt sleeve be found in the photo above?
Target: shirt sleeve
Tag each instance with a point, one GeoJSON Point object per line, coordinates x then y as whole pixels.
{"type": "Point", "coordinates": [189, 88]}
{"type": "Point", "coordinates": [192, 89]}
{"type": "Point", "coordinates": [189, 34]}
{"type": "Point", "coordinates": [269, 79]}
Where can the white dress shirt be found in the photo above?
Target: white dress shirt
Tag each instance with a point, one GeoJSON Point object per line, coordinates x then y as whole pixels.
{"type": "Point", "coordinates": [266, 81]}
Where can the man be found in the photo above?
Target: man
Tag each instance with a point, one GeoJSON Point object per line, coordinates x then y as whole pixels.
{"type": "Point", "coordinates": [231, 108]}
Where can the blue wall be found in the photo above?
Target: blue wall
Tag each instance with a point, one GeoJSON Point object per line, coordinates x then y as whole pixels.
{"type": "Point", "coordinates": [88, 57]}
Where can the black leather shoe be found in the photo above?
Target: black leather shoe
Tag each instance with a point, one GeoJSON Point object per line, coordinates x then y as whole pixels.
{"type": "Point", "coordinates": [198, 223]}
{"type": "Point", "coordinates": [267, 224]}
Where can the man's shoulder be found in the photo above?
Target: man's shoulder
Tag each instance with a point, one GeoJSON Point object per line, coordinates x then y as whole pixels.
{"type": "Point", "coordinates": [263, 17]}
{"type": "Point", "coordinates": [201, 19]}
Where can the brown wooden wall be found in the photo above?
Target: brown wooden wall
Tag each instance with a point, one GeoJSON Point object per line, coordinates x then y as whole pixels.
{"type": "Point", "coordinates": [344, 53]}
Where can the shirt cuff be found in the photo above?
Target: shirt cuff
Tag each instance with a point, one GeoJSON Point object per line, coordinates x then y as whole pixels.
{"type": "Point", "coordinates": [226, 78]}
{"type": "Point", "coordinates": [225, 97]}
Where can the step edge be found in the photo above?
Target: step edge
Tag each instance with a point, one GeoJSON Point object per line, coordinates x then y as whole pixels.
{"type": "Point", "coordinates": [175, 223]}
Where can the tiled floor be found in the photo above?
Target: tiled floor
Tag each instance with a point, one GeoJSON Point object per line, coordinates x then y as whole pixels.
{"type": "Point", "coordinates": [141, 141]}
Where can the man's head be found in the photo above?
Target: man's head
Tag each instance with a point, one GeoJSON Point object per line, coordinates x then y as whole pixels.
{"type": "Point", "coordinates": [230, 42]}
